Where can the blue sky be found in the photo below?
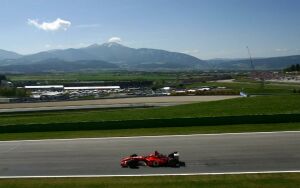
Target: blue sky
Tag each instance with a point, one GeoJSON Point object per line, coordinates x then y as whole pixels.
{"type": "Point", "coordinates": [203, 28]}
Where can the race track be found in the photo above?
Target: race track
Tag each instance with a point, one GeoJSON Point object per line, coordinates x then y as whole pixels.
{"type": "Point", "coordinates": [252, 152]}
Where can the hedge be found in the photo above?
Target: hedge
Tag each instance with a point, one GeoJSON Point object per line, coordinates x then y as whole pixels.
{"type": "Point", "coordinates": [151, 123]}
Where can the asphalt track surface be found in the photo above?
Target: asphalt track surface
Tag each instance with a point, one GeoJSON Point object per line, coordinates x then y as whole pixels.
{"type": "Point", "coordinates": [109, 103]}
{"type": "Point", "coordinates": [83, 107]}
{"type": "Point", "coordinates": [254, 152]}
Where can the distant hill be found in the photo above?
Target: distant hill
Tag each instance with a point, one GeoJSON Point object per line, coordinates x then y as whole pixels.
{"type": "Point", "coordinates": [8, 55]}
{"type": "Point", "coordinates": [272, 63]}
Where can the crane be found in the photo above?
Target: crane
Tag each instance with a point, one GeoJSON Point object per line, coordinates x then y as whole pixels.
{"type": "Point", "coordinates": [251, 61]}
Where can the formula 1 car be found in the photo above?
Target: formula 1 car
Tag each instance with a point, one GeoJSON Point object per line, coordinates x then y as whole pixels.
{"type": "Point", "coordinates": [153, 160]}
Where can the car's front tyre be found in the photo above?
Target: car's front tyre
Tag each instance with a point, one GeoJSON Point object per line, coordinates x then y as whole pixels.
{"type": "Point", "coordinates": [132, 164]}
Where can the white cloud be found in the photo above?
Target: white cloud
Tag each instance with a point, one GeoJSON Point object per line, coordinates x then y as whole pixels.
{"type": "Point", "coordinates": [51, 26]}
{"type": "Point", "coordinates": [115, 39]}
{"type": "Point", "coordinates": [192, 51]}
{"type": "Point", "coordinates": [65, 46]}
{"type": "Point", "coordinates": [281, 50]}
{"type": "Point", "coordinates": [82, 44]}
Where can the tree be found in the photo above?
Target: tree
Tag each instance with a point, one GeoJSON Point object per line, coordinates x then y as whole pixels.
{"type": "Point", "coordinates": [2, 77]}
{"type": "Point", "coordinates": [293, 68]}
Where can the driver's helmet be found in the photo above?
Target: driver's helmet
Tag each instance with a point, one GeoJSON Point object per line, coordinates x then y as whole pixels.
{"type": "Point", "coordinates": [176, 155]}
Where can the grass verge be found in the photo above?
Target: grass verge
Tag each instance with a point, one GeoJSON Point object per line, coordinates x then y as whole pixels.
{"type": "Point", "coordinates": [285, 104]}
{"type": "Point", "coordinates": [281, 180]}
{"type": "Point", "coordinates": [153, 131]}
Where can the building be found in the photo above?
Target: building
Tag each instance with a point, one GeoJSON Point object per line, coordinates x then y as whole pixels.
{"type": "Point", "coordinates": [93, 88]}
{"type": "Point", "coordinates": [45, 87]}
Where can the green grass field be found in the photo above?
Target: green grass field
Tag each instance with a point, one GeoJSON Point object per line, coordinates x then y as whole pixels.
{"type": "Point", "coordinates": [269, 105]}
{"type": "Point", "coordinates": [283, 104]}
{"type": "Point", "coordinates": [287, 180]}
{"type": "Point", "coordinates": [97, 76]}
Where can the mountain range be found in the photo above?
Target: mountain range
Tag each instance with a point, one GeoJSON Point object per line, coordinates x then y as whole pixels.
{"type": "Point", "coordinates": [106, 56]}
{"type": "Point", "coordinates": [114, 56]}
{"type": "Point", "coordinates": [8, 55]}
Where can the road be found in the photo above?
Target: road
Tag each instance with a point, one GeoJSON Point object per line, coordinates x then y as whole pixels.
{"type": "Point", "coordinates": [109, 103]}
{"type": "Point", "coordinates": [82, 107]}
{"type": "Point", "coordinates": [202, 153]}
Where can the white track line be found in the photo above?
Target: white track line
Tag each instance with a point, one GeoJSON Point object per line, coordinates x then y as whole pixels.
{"type": "Point", "coordinates": [149, 175]}
{"type": "Point", "coordinates": [159, 136]}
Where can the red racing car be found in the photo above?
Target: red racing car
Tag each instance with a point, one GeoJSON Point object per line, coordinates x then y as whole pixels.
{"type": "Point", "coordinates": [153, 160]}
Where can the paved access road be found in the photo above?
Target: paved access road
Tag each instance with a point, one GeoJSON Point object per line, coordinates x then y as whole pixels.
{"type": "Point", "coordinates": [202, 153]}
{"type": "Point", "coordinates": [110, 103]}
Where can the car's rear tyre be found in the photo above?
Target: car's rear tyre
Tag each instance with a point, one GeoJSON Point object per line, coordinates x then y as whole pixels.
{"type": "Point", "coordinates": [173, 163]}
{"type": "Point", "coordinates": [181, 163]}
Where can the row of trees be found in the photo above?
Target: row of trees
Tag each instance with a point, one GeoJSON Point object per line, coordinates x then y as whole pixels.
{"type": "Point", "coordinates": [293, 68]}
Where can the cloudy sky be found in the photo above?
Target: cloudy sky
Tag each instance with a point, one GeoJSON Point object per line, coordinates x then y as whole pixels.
{"type": "Point", "coordinates": [203, 28]}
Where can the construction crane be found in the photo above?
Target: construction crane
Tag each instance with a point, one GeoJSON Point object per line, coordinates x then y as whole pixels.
{"type": "Point", "coordinates": [256, 74]}
{"type": "Point", "coordinates": [251, 61]}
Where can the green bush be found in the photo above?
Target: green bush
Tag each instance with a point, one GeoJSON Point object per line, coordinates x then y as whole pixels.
{"type": "Point", "coordinates": [12, 92]}
{"type": "Point", "coordinates": [296, 90]}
